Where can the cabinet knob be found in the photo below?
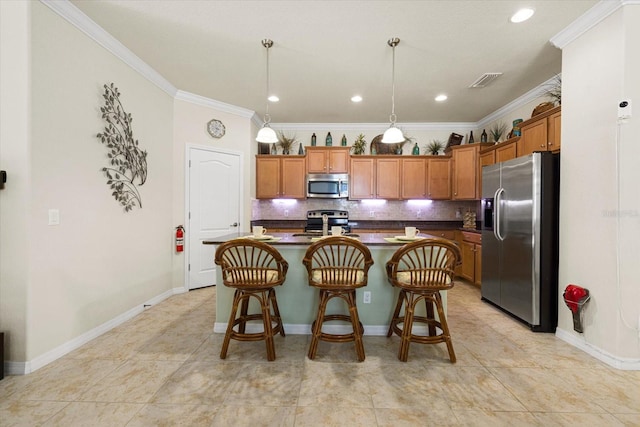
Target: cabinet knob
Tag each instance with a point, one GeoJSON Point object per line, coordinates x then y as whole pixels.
{"type": "Point", "coordinates": [549, 143]}
{"type": "Point", "coordinates": [542, 145]}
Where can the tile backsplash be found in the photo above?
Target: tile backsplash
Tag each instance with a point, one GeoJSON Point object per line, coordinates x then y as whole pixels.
{"type": "Point", "coordinates": [382, 210]}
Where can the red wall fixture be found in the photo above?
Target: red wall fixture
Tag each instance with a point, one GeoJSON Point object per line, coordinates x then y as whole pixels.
{"type": "Point", "coordinates": [575, 297]}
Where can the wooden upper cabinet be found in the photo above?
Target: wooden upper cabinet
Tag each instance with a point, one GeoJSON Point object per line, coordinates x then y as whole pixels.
{"type": "Point", "coordinates": [467, 175]}
{"type": "Point", "coordinates": [541, 133]}
{"type": "Point", "coordinates": [414, 178]}
{"type": "Point", "coordinates": [388, 179]}
{"type": "Point", "coordinates": [506, 151]}
{"type": "Point", "coordinates": [487, 158]}
{"type": "Point", "coordinates": [439, 178]}
{"type": "Point", "coordinates": [280, 177]}
{"type": "Point", "coordinates": [328, 159]}
{"type": "Point", "coordinates": [362, 179]}
{"type": "Point", "coordinates": [374, 177]}
{"type": "Point", "coordinates": [465, 167]}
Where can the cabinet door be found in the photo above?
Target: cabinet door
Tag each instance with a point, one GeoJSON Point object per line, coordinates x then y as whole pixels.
{"type": "Point", "coordinates": [388, 179]}
{"type": "Point", "coordinates": [506, 152]}
{"type": "Point", "coordinates": [362, 179]}
{"type": "Point", "coordinates": [488, 158]}
{"type": "Point", "coordinates": [267, 177]}
{"type": "Point", "coordinates": [316, 161]}
{"type": "Point", "coordinates": [478, 265]}
{"type": "Point", "coordinates": [339, 160]}
{"type": "Point", "coordinates": [554, 123]}
{"type": "Point", "coordinates": [534, 137]}
{"type": "Point", "coordinates": [465, 166]}
{"type": "Point", "coordinates": [414, 178]}
{"type": "Point", "coordinates": [293, 178]}
{"type": "Point", "coordinates": [468, 267]}
{"type": "Point", "coordinates": [439, 179]}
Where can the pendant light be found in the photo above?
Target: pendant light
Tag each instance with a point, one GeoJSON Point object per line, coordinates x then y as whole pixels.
{"type": "Point", "coordinates": [266, 134]}
{"type": "Point", "coordinates": [393, 135]}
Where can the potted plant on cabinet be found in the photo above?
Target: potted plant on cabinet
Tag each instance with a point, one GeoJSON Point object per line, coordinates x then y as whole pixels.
{"type": "Point", "coordinates": [359, 145]}
{"type": "Point", "coordinates": [434, 147]}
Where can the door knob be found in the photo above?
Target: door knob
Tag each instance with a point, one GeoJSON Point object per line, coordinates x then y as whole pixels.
{"type": "Point", "coordinates": [235, 224]}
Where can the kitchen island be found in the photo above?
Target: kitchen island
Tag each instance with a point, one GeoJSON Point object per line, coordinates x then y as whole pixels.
{"type": "Point", "coordinates": [298, 302]}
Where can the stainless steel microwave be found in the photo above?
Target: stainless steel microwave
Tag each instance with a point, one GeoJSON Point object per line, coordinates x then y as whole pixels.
{"type": "Point", "coordinates": [328, 186]}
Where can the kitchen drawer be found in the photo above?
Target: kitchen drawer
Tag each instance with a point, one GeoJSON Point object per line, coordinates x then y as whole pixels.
{"type": "Point", "coordinates": [471, 237]}
{"type": "Point", "coordinates": [445, 234]}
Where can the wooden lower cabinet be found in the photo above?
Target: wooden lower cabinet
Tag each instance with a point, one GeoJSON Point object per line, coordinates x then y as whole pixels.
{"type": "Point", "coordinates": [471, 252]}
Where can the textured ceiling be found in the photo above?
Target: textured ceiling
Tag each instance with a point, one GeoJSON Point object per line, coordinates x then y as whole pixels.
{"type": "Point", "coordinates": [327, 51]}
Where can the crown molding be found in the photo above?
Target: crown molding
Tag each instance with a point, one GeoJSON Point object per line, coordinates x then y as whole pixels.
{"type": "Point", "coordinates": [376, 127]}
{"type": "Point", "coordinates": [212, 103]}
{"type": "Point", "coordinates": [73, 15]}
{"type": "Point", "coordinates": [521, 101]}
{"type": "Point", "coordinates": [588, 20]}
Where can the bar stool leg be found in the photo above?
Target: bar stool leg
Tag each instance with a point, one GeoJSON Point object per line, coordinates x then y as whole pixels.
{"type": "Point", "coordinates": [276, 311]}
{"type": "Point", "coordinates": [232, 317]}
{"type": "Point", "coordinates": [357, 326]}
{"type": "Point", "coordinates": [409, 308]}
{"type": "Point", "coordinates": [396, 313]}
{"type": "Point", "coordinates": [445, 327]}
{"type": "Point", "coordinates": [430, 315]}
{"type": "Point", "coordinates": [317, 325]}
{"type": "Point", "coordinates": [268, 330]}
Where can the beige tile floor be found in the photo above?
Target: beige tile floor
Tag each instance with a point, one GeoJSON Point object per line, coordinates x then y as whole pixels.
{"type": "Point", "coordinates": [162, 368]}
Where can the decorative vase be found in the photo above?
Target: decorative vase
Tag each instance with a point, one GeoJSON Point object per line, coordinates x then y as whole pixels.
{"type": "Point", "coordinates": [313, 140]}
{"type": "Point", "coordinates": [343, 142]}
{"type": "Point", "coordinates": [416, 150]}
{"type": "Point", "coordinates": [329, 140]}
{"type": "Point", "coordinates": [300, 149]}
{"type": "Point", "coordinates": [274, 150]}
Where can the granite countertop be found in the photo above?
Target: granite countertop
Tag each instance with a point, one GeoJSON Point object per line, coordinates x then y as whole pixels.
{"type": "Point", "coordinates": [366, 224]}
{"type": "Point", "coordinates": [369, 239]}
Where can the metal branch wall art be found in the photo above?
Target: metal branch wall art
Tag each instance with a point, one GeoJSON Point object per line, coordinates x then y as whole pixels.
{"type": "Point", "coordinates": [128, 163]}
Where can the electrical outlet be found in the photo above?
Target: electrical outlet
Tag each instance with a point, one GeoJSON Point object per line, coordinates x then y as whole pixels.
{"type": "Point", "coordinates": [372, 214]}
{"type": "Point", "coordinates": [418, 214]}
{"type": "Point", "coordinates": [54, 217]}
{"type": "Point", "coordinates": [459, 213]}
{"type": "Point", "coordinates": [286, 213]}
{"type": "Point", "coordinates": [366, 298]}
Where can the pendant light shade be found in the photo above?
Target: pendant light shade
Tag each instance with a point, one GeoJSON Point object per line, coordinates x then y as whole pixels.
{"type": "Point", "coordinates": [266, 134]}
{"type": "Point", "coordinates": [393, 135]}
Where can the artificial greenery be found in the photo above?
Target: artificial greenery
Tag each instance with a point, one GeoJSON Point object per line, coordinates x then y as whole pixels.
{"type": "Point", "coordinates": [286, 142]}
{"type": "Point", "coordinates": [359, 145]}
{"type": "Point", "coordinates": [128, 163]}
{"type": "Point", "coordinates": [434, 147]}
{"type": "Point", "coordinates": [496, 131]}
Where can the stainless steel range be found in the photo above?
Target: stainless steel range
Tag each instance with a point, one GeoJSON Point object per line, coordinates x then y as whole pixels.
{"type": "Point", "coordinates": [334, 217]}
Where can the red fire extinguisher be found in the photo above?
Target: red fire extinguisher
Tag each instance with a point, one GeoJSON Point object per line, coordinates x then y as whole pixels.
{"type": "Point", "coordinates": [179, 238]}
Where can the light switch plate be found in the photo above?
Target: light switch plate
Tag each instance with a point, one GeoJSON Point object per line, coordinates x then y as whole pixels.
{"type": "Point", "coordinates": [54, 217]}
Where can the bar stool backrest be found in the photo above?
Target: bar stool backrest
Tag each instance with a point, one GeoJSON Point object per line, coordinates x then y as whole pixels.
{"type": "Point", "coordinates": [250, 264]}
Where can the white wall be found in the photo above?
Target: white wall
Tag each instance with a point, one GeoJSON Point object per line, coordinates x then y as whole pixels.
{"type": "Point", "coordinates": [14, 153]}
{"type": "Point", "coordinates": [600, 68]}
{"type": "Point", "coordinates": [99, 262]}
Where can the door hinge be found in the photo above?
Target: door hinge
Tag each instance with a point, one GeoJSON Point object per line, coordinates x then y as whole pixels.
{"type": "Point", "coordinates": [189, 163]}
{"type": "Point", "coordinates": [188, 267]}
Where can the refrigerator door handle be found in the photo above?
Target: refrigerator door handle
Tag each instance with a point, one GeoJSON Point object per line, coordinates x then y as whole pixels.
{"type": "Point", "coordinates": [497, 207]}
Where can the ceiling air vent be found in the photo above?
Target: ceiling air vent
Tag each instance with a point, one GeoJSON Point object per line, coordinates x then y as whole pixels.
{"type": "Point", "coordinates": [485, 79]}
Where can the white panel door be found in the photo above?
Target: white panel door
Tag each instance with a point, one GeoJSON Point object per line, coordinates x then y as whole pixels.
{"type": "Point", "coordinates": [214, 208]}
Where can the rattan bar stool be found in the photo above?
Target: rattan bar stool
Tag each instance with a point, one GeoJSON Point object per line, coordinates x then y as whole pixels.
{"type": "Point", "coordinates": [421, 270]}
{"type": "Point", "coordinates": [337, 266]}
{"type": "Point", "coordinates": [254, 269]}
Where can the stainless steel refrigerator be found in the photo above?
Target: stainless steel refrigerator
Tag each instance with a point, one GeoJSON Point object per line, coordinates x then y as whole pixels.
{"type": "Point", "coordinates": [520, 203]}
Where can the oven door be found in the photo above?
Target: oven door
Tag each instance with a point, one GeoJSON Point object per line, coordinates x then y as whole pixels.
{"type": "Point", "coordinates": [327, 186]}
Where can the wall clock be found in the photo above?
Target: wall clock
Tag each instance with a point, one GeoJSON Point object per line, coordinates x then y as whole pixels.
{"type": "Point", "coordinates": [215, 128]}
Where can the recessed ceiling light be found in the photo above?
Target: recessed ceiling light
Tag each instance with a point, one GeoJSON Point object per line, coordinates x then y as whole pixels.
{"type": "Point", "coordinates": [356, 98]}
{"type": "Point", "coordinates": [273, 98]}
{"type": "Point", "coordinates": [522, 15]}
{"type": "Point", "coordinates": [441, 97]}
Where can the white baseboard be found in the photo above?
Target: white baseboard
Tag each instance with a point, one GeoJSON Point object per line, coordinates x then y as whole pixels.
{"type": "Point", "coordinates": [580, 342]}
{"type": "Point", "coordinates": [22, 368]}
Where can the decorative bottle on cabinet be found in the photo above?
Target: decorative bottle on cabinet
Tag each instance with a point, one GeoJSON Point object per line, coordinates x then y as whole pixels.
{"type": "Point", "coordinates": [471, 138]}
{"type": "Point", "coordinates": [343, 142]}
{"type": "Point", "coordinates": [313, 140]}
{"type": "Point", "coordinates": [483, 137]}
{"type": "Point", "coordinates": [300, 149]}
{"type": "Point", "coordinates": [329, 140]}
{"type": "Point", "coordinates": [416, 150]}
